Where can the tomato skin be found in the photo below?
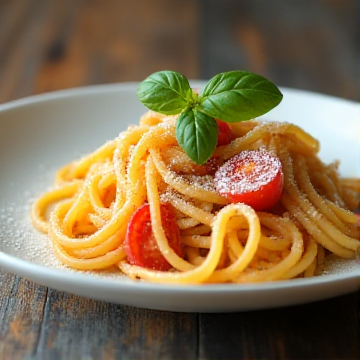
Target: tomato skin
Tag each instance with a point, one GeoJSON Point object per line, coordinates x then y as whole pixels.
{"type": "Point", "coordinates": [213, 164]}
{"type": "Point", "coordinates": [140, 244]}
{"type": "Point", "coordinates": [225, 135]}
{"type": "Point", "coordinates": [252, 177]}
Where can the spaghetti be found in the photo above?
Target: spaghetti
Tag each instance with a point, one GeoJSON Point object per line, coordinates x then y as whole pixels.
{"type": "Point", "coordinates": [96, 198]}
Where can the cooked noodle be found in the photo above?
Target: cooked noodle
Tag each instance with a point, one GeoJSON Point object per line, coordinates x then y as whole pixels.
{"type": "Point", "coordinates": [97, 195]}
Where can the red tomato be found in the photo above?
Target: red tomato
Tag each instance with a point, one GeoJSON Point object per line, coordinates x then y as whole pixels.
{"type": "Point", "coordinates": [140, 243]}
{"type": "Point", "coordinates": [253, 177]}
{"type": "Point", "coordinates": [225, 135]}
{"type": "Point", "coordinates": [213, 164]}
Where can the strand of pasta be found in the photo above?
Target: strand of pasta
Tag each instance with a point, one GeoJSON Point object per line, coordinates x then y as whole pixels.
{"type": "Point", "coordinates": [78, 209]}
{"type": "Point", "coordinates": [134, 198]}
{"type": "Point", "coordinates": [96, 258]}
{"type": "Point", "coordinates": [343, 214]}
{"type": "Point", "coordinates": [351, 183]}
{"type": "Point", "coordinates": [157, 136]}
{"type": "Point", "coordinates": [302, 178]}
{"type": "Point", "coordinates": [265, 130]}
{"type": "Point", "coordinates": [157, 228]}
{"type": "Point", "coordinates": [196, 230]}
{"type": "Point", "coordinates": [312, 228]}
{"type": "Point", "coordinates": [197, 241]}
{"type": "Point", "coordinates": [98, 263]}
{"type": "Point", "coordinates": [306, 260]}
{"type": "Point", "coordinates": [275, 272]}
{"type": "Point", "coordinates": [309, 272]}
{"type": "Point", "coordinates": [112, 243]}
{"type": "Point", "coordinates": [124, 144]}
{"type": "Point", "coordinates": [207, 267]}
{"type": "Point", "coordinates": [192, 211]}
{"type": "Point", "coordinates": [95, 196]}
{"type": "Point", "coordinates": [194, 256]}
{"type": "Point", "coordinates": [41, 205]}
{"type": "Point", "coordinates": [243, 260]}
{"type": "Point", "coordinates": [320, 178]}
{"type": "Point", "coordinates": [181, 185]}
{"type": "Point", "coordinates": [321, 223]}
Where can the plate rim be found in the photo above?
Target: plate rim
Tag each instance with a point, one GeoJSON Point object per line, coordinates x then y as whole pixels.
{"type": "Point", "coordinates": [228, 287]}
{"type": "Point", "coordinates": [123, 86]}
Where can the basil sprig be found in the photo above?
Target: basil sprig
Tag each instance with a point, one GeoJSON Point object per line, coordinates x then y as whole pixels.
{"type": "Point", "coordinates": [230, 96]}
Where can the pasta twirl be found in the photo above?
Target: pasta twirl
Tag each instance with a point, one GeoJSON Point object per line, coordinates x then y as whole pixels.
{"type": "Point", "coordinates": [97, 195]}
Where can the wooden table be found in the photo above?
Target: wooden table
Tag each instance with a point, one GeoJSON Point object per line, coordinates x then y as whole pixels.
{"type": "Point", "coordinates": [56, 44]}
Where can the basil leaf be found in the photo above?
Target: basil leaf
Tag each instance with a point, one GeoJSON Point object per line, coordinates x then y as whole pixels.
{"type": "Point", "coordinates": [197, 134]}
{"type": "Point", "coordinates": [166, 92]}
{"type": "Point", "coordinates": [238, 95]}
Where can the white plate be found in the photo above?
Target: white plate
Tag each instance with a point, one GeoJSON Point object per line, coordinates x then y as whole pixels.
{"type": "Point", "coordinates": [40, 133]}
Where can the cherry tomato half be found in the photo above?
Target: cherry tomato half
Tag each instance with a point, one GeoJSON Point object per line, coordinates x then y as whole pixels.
{"type": "Point", "coordinates": [140, 243]}
{"type": "Point", "coordinates": [225, 135]}
{"type": "Point", "coordinates": [251, 177]}
{"type": "Point", "coordinates": [213, 164]}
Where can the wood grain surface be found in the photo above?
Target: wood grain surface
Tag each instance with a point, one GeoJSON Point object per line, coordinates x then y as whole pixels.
{"type": "Point", "coordinates": [57, 44]}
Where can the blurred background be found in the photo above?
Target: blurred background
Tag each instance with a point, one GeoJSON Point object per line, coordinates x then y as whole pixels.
{"type": "Point", "coordinates": [47, 45]}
